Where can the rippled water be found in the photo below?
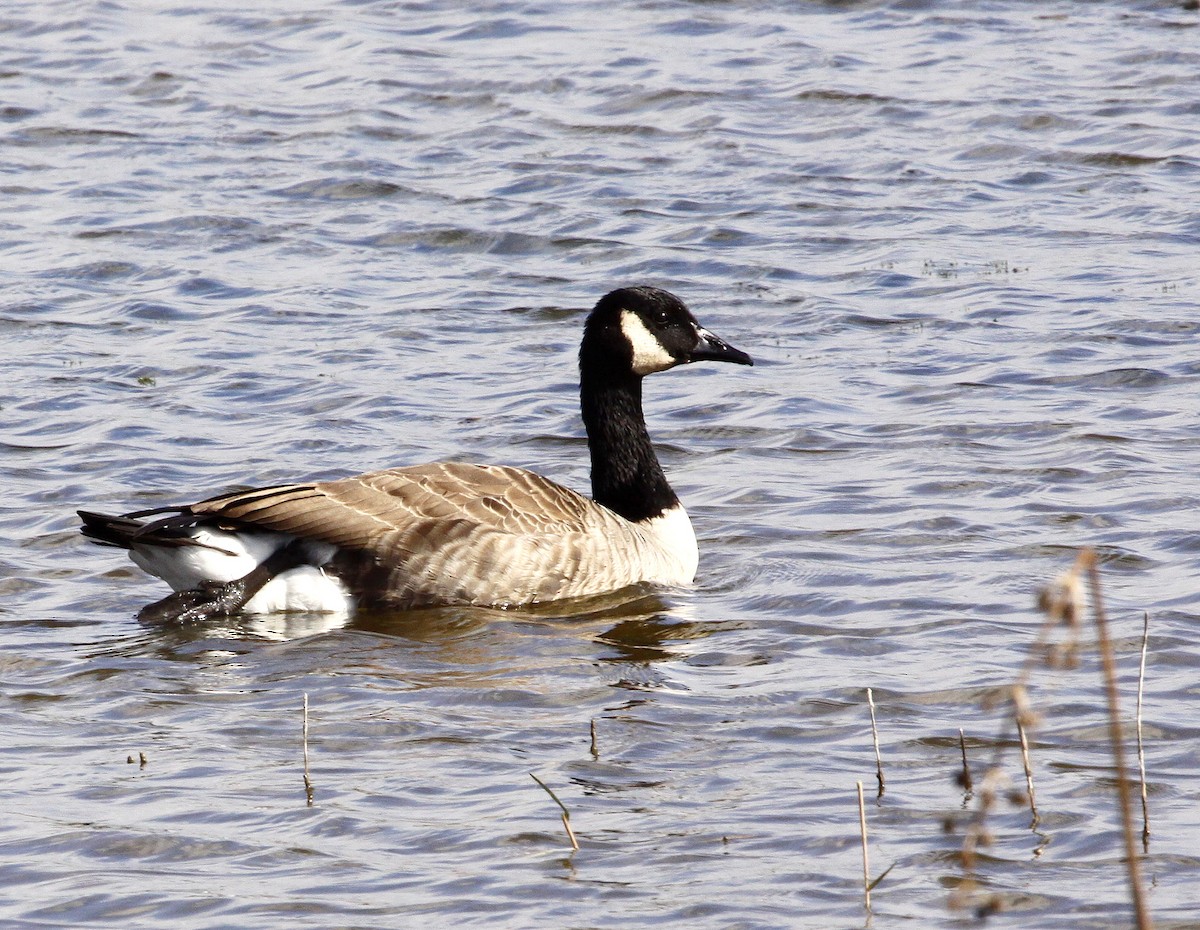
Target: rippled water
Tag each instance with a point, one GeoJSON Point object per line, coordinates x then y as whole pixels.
{"type": "Point", "coordinates": [243, 247]}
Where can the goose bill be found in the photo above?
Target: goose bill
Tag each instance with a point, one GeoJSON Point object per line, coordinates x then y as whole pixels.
{"type": "Point", "coordinates": [712, 348]}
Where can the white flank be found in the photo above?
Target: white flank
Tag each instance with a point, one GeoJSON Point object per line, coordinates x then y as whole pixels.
{"type": "Point", "coordinates": [648, 354]}
{"type": "Point", "coordinates": [227, 556]}
{"type": "Point", "coordinates": [672, 531]}
{"type": "Point", "coordinates": [305, 588]}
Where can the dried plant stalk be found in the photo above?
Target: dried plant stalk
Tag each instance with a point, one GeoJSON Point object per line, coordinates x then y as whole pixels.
{"type": "Point", "coordinates": [1063, 605]}
{"type": "Point", "coordinates": [1028, 772]}
{"type": "Point", "coordinates": [965, 778]}
{"type": "Point", "coordinates": [862, 826]}
{"type": "Point", "coordinates": [875, 740]}
{"type": "Point", "coordinates": [1141, 752]}
{"type": "Point", "coordinates": [308, 785]}
{"type": "Point", "coordinates": [566, 814]}
{"type": "Point", "coordinates": [1133, 862]}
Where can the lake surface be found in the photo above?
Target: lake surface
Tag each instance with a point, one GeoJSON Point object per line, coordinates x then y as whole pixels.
{"type": "Point", "coordinates": [246, 247]}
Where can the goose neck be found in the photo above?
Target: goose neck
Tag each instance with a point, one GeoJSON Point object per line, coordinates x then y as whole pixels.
{"type": "Point", "coordinates": [626, 475]}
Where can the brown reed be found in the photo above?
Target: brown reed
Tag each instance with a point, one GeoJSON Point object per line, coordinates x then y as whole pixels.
{"type": "Point", "coordinates": [566, 814]}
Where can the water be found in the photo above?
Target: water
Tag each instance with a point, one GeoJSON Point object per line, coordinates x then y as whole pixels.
{"type": "Point", "coordinates": [244, 247]}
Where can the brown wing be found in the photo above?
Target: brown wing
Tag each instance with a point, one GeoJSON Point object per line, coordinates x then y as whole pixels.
{"type": "Point", "coordinates": [449, 533]}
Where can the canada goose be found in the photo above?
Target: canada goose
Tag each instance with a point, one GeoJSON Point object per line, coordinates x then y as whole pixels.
{"type": "Point", "coordinates": [450, 533]}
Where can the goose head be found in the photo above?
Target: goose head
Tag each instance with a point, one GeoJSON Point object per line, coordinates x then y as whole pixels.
{"type": "Point", "coordinates": [636, 331]}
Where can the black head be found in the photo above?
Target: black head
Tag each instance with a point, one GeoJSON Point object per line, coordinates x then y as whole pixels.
{"type": "Point", "coordinates": [641, 330]}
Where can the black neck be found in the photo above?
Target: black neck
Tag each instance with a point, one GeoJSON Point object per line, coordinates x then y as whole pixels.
{"type": "Point", "coordinates": [626, 476]}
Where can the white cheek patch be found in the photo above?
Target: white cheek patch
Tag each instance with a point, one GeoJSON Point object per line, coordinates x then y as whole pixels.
{"type": "Point", "coordinates": [649, 355]}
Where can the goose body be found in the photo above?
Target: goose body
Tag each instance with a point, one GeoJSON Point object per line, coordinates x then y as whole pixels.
{"type": "Point", "coordinates": [450, 533]}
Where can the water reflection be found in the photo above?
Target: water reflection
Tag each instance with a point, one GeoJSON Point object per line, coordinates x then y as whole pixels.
{"type": "Point", "coordinates": [432, 624]}
{"type": "Point", "coordinates": [658, 637]}
{"type": "Point", "coordinates": [626, 632]}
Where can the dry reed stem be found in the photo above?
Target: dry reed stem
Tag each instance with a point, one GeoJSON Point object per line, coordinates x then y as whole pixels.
{"type": "Point", "coordinates": [566, 814]}
{"type": "Point", "coordinates": [875, 740]}
{"type": "Point", "coordinates": [1133, 864]}
{"type": "Point", "coordinates": [308, 786]}
{"type": "Point", "coordinates": [965, 778]}
{"type": "Point", "coordinates": [566, 822]}
{"type": "Point", "coordinates": [1141, 753]}
{"type": "Point", "coordinates": [1063, 605]}
{"type": "Point", "coordinates": [862, 826]}
{"type": "Point", "coordinates": [1028, 772]}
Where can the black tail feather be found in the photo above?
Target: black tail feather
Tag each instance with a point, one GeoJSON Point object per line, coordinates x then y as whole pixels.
{"type": "Point", "coordinates": [154, 511]}
{"type": "Point", "coordinates": [109, 530]}
{"type": "Point", "coordinates": [126, 531]}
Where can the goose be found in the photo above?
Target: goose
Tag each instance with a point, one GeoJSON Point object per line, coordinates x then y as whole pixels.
{"type": "Point", "coordinates": [449, 533]}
